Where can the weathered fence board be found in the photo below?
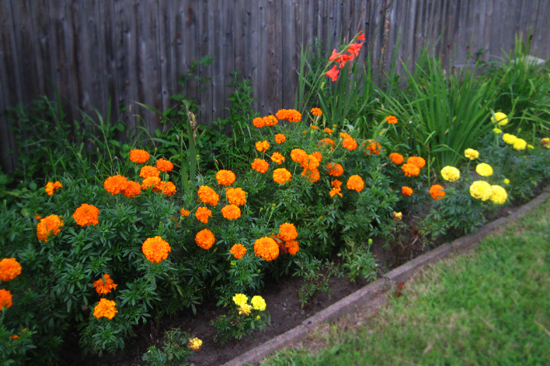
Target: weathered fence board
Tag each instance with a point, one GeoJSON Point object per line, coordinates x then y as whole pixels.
{"type": "Point", "coordinates": [128, 51]}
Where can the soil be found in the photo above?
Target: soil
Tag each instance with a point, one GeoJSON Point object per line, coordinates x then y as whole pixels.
{"type": "Point", "coordinates": [282, 303]}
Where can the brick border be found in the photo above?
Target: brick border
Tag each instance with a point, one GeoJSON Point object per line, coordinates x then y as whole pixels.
{"type": "Point", "coordinates": [368, 293]}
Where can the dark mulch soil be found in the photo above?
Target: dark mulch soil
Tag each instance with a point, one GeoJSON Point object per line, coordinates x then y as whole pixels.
{"type": "Point", "coordinates": [282, 303]}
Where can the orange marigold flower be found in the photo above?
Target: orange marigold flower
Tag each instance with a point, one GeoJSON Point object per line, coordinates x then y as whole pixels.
{"type": "Point", "coordinates": [236, 196]}
{"type": "Point", "coordinates": [139, 156]}
{"type": "Point", "coordinates": [260, 165]}
{"type": "Point", "coordinates": [86, 215]}
{"type": "Point", "coordinates": [328, 141]}
{"type": "Point", "coordinates": [298, 156]}
{"type": "Point", "coordinates": [266, 248]}
{"type": "Point", "coordinates": [288, 231]}
{"type": "Point", "coordinates": [336, 191]}
{"type": "Point", "coordinates": [5, 298]}
{"type": "Point", "coordinates": [355, 183]}
{"type": "Point", "coordinates": [281, 175]}
{"type": "Point", "coordinates": [104, 286]}
{"type": "Point", "coordinates": [349, 143]}
{"type": "Point", "coordinates": [278, 158]}
{"type": "Point", "coordinates": [318, 156]}
{"type": "Point", "coordinates": [314, 127]}
{"type": "Point", "coordinates": [115, 184]}
{"type": "Point", "coordinates": [150, 183]}
{"type": "Point", "coordinates": [47, 226]}
{"type": "Point", "coordinates": [417, 160]}
{"type": "Point", "coordinates": [291, 115]}
{"type": "Point", "coordinates": [335, 170]}
{"type": "Point", "coordinates": [292, 247]}
{"type": "Point", "coordinates": [164, 165]}
{"type": "Point", "coordinates": [132, 189]}
{"type": "Point", "coordinates": [397, 158]}
{"type": "Point", "coordinates": [205, 239]}
{"type": "Point", "coordinates": [328, 130]}
{"type": "Point", "coordinates": [15, 336]}
{"type": "Point", "coordinates": [410, 170]}
{"type": "Point", "coordinates": [258, 122]}
{"type": "Point", "coordinates": [262, 146]}
{"type": "Point", "coordinates": [437, 192]}
{"type": "Point", "coordinates": [406, 191]}
{"type": "Point", "coordinates": [37, 217]}
{"type": "Point", "coordinates": [167, 188]}
{"type": "Point", "coordinates": [238, 250]}
{"type": "Point", "coordinates": [374, 147]}
{"type": "Point", "coordinates": [231, 212]}
{"type": "Point", "coordinates": [52, 187]}
{"type": "Point", "coordinates": [311, 175]}
{"type": "Point", "coordinates": [9, 269]}
{"type": "Point", "coordinates": [336, 183]}
{"type": "Point", "coordinates": [225, 177]}
{"type": "Point", "coordinates": [202, 214]}
{"type": "Point", "coordinates": [208, 196]}
{"type": "Point", "coordinates": [280, 138]}
{"type": "Point", "coordinates": [148, 171]}
{"type": "Point", "coordinates": [316, 111]}
{"type": "Point", "coordinates": [156, 249]}
{"type": "Point", "coordinates": [270, 121]}
{"type": "Point", "coordinates": [105, 308]}
{"type": "Point", "coordinates": [184, 212]}
{"type": "Point", "coordinates": [311, 163]}
{"type": "Point", "coordinates": [391, 119]}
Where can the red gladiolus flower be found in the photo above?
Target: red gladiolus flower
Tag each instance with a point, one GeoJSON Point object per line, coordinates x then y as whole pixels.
{"type": "Point", "coordinates": [361, 36]}
{"type": "Point", "coordinates": [335, 55]}
{"type": "Point", "coordinates": [344, 59]}
{"type": "Point", "coordinates": [333, 73]}
{"type": "Point", "coordinates": [354, 48]}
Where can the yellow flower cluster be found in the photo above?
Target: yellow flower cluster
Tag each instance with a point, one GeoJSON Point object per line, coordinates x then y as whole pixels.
{"type": "Point", "coordinates": [195, 344]}
{"type": "Point", "coordinates": [499, 195]}
{"type": "Point", "coordinates": [450, 174]}
{"type": "Point", "coordinates": [500, 119]}
{"type": "Point", "coordinates": [258, 303]}
{"type": "Point", "coordinates": [156, 249]}
{"type": "Point", "coordinates": [471, 154]}
{"type": "Point", "coordinates": [520, 144]}
{"type": "Point", "coordinates": [509, 139]}
{"type": "Point", "coordinates": [481, 190]}
{"type": "Point", "coordinates": [484, 170]}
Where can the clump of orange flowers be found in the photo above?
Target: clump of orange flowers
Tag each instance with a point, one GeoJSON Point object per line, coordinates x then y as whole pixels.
{"type": "Point", "coordinates": [231, 212]}
{"type": "Point", "coordinates": [410, 170]}
{"type": "Point", "coordinates": [266, 248]}
{"type": "Point", "coordinates": [270, 121]}
{"type": "Point", "coordinates": [202, 214]}
{"type": "Point", "coordinates": [184, 212]}
{"type": "Point", "coordinates": [278, 158]}
{"type": "Point", "coordinates": [139, 156]}
{"type": "Point", "coordinates": [9, 269]}
{"type": "Point", "coordinates": [148, 171]}
{"type": "Point", "coordinates": [417, 160]}
{"type": "Point", "coordinates": [105, 285]}
{"type": "Point", "coordinates": [292, 247]}
{"type": "Point", "coordinates": [280, 138]}
{"type": "Point", "coordinates": [150, 183]}
{"type": "Point", "coordinates": [238, 250]}
{"type": "Point", "coordinates": [47, 226]}
{"type": "Point", "coordinates": [258, 122]}
{"type": "Point", "coordinates": [262, 146]}
{"type": "Point", "coordinates": [290, 115]}
{"type": "Point", "coordinates": [5, 298]}
{"type": "Point", "coordinates": [164, 165]}
{"type": "Point", "coordinates": [105, 308]}
{"type": "Point", "coordinates": [437, 192]}
{"type": "Point", "coordinates": [287, 231]}
{"type": "Point", "coordinates": [115, 184]}
{"type": "Point", "coordinates": [391, 119]}
{"type": "Point", "coordinates": [225, 177]}
{"type": "Point", "coordinates": [328, 130]}
{"type": "Point", "coordinates": [373, 147]}
{"type": "Point", "coordinates": [132, 189]}
{"type": "Point", "coordinates": [52, 187]}
{"type": "Point", "coordinates": [156, 249]}
{"type": "Point", "coordinates": [260, 165]}
{"type": "Point", "coordinates": [355, 183]}
{"type": "Point", "coordinates": [208, 195]}
{"type": "Point", "coordinates": [397, 158]}
{"type": "Point", "coordinates": [336, 188]}
{"type": "Point", "coordinates": [349, 142]}
{"type": "Point", "coordinates": [167, 188]}
{"type": "Point", "coordinates": [281, 176]}
{"type": "Point", "coordinates": [335, 170]}
{"type": "Point", "coordinates": [205, 239]}
{"type": "Point", "coordinates": [86, 215]}
{"type": "Point", "coordinates": [406, 191]}
{"type": "Point", "coordinates": [236, 196]}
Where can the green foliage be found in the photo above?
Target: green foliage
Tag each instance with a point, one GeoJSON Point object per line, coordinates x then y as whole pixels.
{"type": "Point", "coordinates": [237, 323]}
{"type": "Point", "coordinates": [13, 351]}
{"type": "Point", "coordinates": [359, 262]}
{"type": "Point", "coordinates": [316, 276]}
{"type": "Point", "coordinates": [173, 352]}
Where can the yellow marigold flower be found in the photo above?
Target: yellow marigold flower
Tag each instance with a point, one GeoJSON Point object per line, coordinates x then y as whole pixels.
{"type": "Point", "coordinates": [52, 187]}
{"type": "Point", "coordinates": [139, 156]}
{"type": "Point", "coordinates": [499, 195]}
{"type": "Point", "coordinates": [497, 130]}
{"type": "Point", "coordinates": [148, 171]}
{"type": "Point", "coordinates": [311, 175]}
{"type": "Point", "coordinates": [195, 344]}
{"type": "Point", "coordinates": [450, 174]}
{"type": "Point", "coordinates": [270, 121]}
{"type": "Point", "coordinates": [184, 212]}
{"type": "Point", "coordinates": [236, 196]}
{"type": "Point", "coordinates": [545, 142]}
{"type": "Point", "coordinates": [397, 158]}
{"type": "Point", "coordinates": [156, 249]}
{"type": "Point", "coordinates": [202, 214]}
{"type": "Point", "coordinates": [506, 181]}
{"type": "Point", "coordinates": [318, 156]}
{"type": "Point", "coordinates": [245, 309]}
{"type": "Point", "coordinates": [150, 183]}
{"type": "Point", "coordinates": [258, 303]}
{"type": "Point", "coordinates": [280, 138]}
{"type": "Point", "coordinates": [397, 216]}
{"type": "Point", "coordinates": [406, 191]}
{"type": "Point", "coordinates": [316, 111]}
{"type": "Point", "coordinates": [103, 287]}
{"type": "Point", "coordinates": [164, 165]}
{"type": "Point", "coordinates": [288, 231]}
{"type": "Point", "coordinates": [298, 156]}
{"type": "Point", "coordinates": [355, 183]}
{"type": "Point", "coordinates": [509, 139]}
{"type": "Point", "coordinates": [410, 170]}
{"type": "Point", "coordinates": [260, 165]}
{"type": "Point", "coordinates": [336, 183]}
{"type": "Point", "coordinates": [484, 170]}
{"type": "Point", "coordinates": [336, 191]}
{"type": "Point", "coordinates": [238, 250]}
{"type": "Point", "coordinates": [529, 146]}
{"type": "Point", "coordinates": [471, 154]}
{"type": "Point", "coordinates": [481, 190]}
{"type": "Point", "coordinates": [262, 146]}
{"type": "Point", "coordinates": [231, 212]}
{"type": "Point", "coordinates": [86, 215]}
{"type": "Point", "coordinates": [329, 131]}
{"type": "Point", "coordinates": [5, 298]}
{"type": "Point", "coordinates": [281, 176]}
{"type": "Point", "coordinates": [520, 144]}
{"type": "Point", "coordinates": [132, 189]}
{"type": "Point", "coordinates": [314, 127]}
{"type": "Point", "coordinates": [105, 308]}
{"type": "Point", "coordinates": [9, 269]}
{"type": "Point", "coordinates": [417, 160]}
{"type": "Point", "coordinates": [373, 147]}
{"type": "Point", "coordinates": [258, 122]}
{"type": "Point", "coordinates": [392, 120]}
{"type": "Point", "coordinates": [205, 239]}
{"type": "Point", "coordinates": [500, 119]}
{"type": "Point", "coordinates": [291, 115]}
{"type": "Point", "coordinates": [278, 158]}
{"type": "Point", "coordinates": [225, 177]}
{"type": "Point", "coordinates": [47, 226]}
{"type": "Point", "coordinates": [292, 246]}
{"type": "Point", "coordinates": [349, 143]}
{"type": "Point", "coordinates": [266, 248]}
{"type": "Point", "coordinates": [240, 299]}
{"type": "Point", "coordinates": [335, 170]}
{"type": "Point", "coordinates": [437, 192]}
{"type": "Point", "coordinates": [208, 195]}
{"type": "Point", "coordinates": [115, 184]}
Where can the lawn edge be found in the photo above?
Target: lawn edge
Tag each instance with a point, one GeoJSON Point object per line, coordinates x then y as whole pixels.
{"type": "Point", "coordinates": [370, 293]}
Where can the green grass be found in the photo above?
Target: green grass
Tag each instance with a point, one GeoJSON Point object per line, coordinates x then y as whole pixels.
{"type": "Point", "coordinates": [491, 307]}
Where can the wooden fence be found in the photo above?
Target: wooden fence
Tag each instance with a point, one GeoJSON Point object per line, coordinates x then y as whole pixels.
{"type": "Point", "coordinates": [131, 51]}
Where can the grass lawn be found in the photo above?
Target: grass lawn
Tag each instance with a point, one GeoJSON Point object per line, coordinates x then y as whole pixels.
{"type": "Point", "coordinates": [490, 307]}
